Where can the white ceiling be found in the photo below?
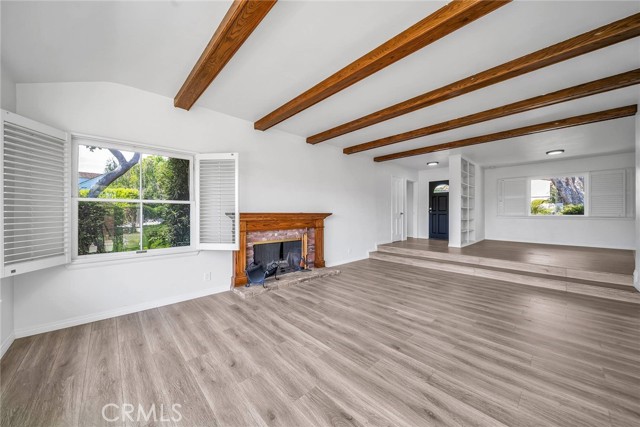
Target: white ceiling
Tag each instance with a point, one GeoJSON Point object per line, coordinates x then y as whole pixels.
{"type": "Point", "coordinates": [153, 46]}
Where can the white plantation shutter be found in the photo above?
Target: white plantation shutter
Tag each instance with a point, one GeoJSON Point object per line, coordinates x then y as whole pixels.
{"type": "Point", "coordinates": [631, 193]}
{"type": "Point", "coordinates": [217, 201]}
{"type": "Point", "coordinates": [512, 197]}
{"type": "Point", "coordinates": [35, 195]}
{"type": "Point", "coordinates": [608, 193]}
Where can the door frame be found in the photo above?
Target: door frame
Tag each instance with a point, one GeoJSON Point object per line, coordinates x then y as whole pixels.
{"type": "Point", "coordinates": [434, 184]}
{"type": "Point", "coordinates": [410, 211]}
{"type": "Point", "coordinates": [403, 195]}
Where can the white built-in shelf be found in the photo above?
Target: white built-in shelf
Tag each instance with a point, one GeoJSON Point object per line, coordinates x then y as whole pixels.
{"type": "Point", "coordinates": [467, 230]}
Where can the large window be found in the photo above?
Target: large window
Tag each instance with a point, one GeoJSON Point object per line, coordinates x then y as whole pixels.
{"type": "Point", "coordinates": [602, 193]}
{"type": "Point", "coordinates": [131, 201]}
{"type": "Point", "coordinates": [563, 195]}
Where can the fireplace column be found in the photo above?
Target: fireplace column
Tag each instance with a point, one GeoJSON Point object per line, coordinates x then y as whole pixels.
{"type": "Point", "coordinates": [240, 257]}
{"type": "Point", "coordinates": [319, 249]}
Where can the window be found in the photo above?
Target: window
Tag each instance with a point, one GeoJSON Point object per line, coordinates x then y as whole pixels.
{"type": "Point", "coordinates": [131, 200]}
{"type": "Point", "coordinates": [442, 188]}
{"type": "Point", "coordinates": [106, 200]}
{"type": "Point", "coordinates": [563, 195]}
{"type": "Point", "coordinates": [603, 193]}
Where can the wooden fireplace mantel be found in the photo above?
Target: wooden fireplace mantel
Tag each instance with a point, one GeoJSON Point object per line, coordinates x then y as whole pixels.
{"type": "Point", "coordinates": [276, 221]}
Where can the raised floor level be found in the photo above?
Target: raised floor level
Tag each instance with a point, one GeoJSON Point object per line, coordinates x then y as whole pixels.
{"type": "Point", "coordinates": [606, 273]}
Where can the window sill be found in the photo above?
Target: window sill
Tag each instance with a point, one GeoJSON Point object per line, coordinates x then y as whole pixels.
{"type": "Point", "coordinates": [87, 262]}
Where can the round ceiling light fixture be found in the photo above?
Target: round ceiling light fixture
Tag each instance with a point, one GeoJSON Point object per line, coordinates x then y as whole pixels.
{"type": "Point", "coordinates": [433, 163]}
{"type": "Point", "coordinates": [554, 152]}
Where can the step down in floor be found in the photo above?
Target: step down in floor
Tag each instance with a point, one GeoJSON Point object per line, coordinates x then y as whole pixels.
{"type": "Point", "coordinates": [603, 285]}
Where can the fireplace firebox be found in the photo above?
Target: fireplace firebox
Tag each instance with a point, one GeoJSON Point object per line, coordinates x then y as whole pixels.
{"type": "Point", "coordinates": [280, 251]}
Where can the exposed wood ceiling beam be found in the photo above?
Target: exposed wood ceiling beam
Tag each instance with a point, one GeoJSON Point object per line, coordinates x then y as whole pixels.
{"type": "Point", "coordinates": [604, 36]}
{"type": "Point", "coordinates": [444, 21]}
{"type": "Point", "coordinates": [592, 88]}
{"type": "Point", "coordinates": [615, 113]}
{"type": "Point", "coordinates": [241, 19]}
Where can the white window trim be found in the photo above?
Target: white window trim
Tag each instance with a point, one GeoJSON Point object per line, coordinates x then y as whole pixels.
{"type": "Point", "coordinates": [587, 179]}
{"type": "Point", "coordinates": [110, 258]}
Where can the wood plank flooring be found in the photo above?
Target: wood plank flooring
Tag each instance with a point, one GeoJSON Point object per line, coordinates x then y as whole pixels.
{"type": "Point", "coordinates": [380, 344]}
{"type": "Point", "coordinates": [618, 261]}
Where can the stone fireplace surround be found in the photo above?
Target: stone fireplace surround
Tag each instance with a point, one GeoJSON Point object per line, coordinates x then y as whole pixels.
{"type": "Point", "coordinates": [257, 227]}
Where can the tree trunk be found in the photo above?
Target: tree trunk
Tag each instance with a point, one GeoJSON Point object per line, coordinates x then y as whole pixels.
{"type": "Point", "coordinates": [108, 178]}
{"type": "Point", "coordinates": [570, 190]}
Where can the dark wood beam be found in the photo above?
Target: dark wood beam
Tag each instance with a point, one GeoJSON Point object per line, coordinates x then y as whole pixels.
{"type": "Point", "coordinates": [618, 81]}
{"type": "Point", "coordinates": [604, 36]}
{"type": "Point", "coordinates": [601, 116]}
{"type": "Point", "coordinates": [241, 19]}
{"type": "Point", "coordinates": [444, 21]}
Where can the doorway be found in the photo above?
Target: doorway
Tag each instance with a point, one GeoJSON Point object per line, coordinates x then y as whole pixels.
{"type": "Point", "coordinates": [439, 210]}
{"type": "Point", "coordinates": [410, 216]}
{"type": "Point", "coordinates": [398, 196]}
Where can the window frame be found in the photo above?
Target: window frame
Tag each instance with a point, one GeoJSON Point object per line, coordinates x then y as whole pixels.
{"type": "Point", "coordinates": [587, 190]}
{"type": "Point", "coordinates": [82, 139]}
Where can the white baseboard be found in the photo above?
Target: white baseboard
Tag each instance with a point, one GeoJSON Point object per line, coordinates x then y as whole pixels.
{"type": "Point", "coordinates": [345, 261]}
{"type": "Point", "coordinates": [636, 280]}
{"type": "Point", "coordinates": [6, 344]}
{"type": "Point", "coordinates": [94, 317]}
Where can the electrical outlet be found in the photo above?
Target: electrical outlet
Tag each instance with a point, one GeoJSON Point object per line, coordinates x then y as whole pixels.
{"type": "Point", "coordinates": [207, 276]}
{"type": "Point", "coordinates": [349, 251]}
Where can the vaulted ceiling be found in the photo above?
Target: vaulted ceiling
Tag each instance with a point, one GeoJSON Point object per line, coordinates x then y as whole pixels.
{"type": "Point", "coordinates": [154, 45]}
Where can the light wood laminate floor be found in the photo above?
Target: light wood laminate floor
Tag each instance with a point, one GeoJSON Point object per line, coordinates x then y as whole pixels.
{"type": "Point", "coordinates": [379, 344]}
{"type": "Point", "coordinates": [604, 260]}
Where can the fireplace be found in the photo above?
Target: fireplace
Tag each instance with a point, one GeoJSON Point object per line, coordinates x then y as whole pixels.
{"type": "Point", "coordinates": [275, 235]}
{"type": "Point", "coordinates": [283, 252]}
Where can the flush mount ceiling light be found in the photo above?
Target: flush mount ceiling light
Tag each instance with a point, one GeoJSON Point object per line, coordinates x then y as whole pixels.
{"type": "Point", "coordinates": [432, 163]}
{"type": "Point", "coordinates": [554, 152]}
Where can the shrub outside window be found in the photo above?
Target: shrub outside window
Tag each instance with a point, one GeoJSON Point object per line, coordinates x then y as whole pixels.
{"type": "Point", "coordinates": [131, 201]}
{"type": "Point", "coordinates": [564, 195]}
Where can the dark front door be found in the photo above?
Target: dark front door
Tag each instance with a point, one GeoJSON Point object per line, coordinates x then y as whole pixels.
{"type": "Point", "coordinates": [439, 210]}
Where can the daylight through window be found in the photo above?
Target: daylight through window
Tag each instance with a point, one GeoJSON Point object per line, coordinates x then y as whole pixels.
{"type": "Point", "coordinates": [131, 201]}
{"type": "Point", "coordinates": [557, 196]}
{"type": "Point", "coordinates": [442, 188]}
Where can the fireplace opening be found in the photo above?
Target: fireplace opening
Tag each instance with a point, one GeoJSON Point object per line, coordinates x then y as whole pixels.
{"type": "Point", "coordinates": [287, 253]}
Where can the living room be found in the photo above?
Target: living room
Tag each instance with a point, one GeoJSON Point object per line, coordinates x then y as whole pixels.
{"type": "Point", "coordinates": [448, 189]}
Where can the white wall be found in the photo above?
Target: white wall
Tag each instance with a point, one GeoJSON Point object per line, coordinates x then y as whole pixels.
{"type": "Point", "coordinates": [438, 173]}
{"type": "Point", "coordinates": [578, 231]}
{"type": "Point", "coordinates": [353, 188]}
{"type": "Point", "coordinates": [6, 314]}
{"type": "Point", "coordinates": [7, 89]}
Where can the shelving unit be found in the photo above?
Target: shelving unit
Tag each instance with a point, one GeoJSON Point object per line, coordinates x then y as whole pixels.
{"type": "Point", "coordinates": [468, 203]}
